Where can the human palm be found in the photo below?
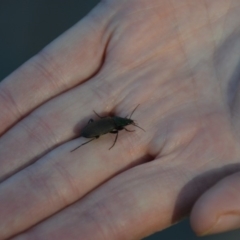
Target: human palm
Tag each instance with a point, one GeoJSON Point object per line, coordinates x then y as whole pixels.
{"type": "Point", "coordinates": [178, 60]}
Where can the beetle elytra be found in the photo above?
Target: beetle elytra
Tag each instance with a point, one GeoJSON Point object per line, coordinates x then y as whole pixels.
{"type": "Point", "coordinates": [94, 129]}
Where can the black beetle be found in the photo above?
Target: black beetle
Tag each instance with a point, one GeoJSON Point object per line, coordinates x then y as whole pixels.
{"type": "Point", "coordinates": [94, 129]}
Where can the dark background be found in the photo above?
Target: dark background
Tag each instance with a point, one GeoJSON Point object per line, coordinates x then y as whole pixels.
{"type": "Point", "coordinates": [26, 26]}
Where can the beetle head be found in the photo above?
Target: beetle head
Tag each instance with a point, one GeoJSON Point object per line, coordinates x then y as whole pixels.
{"type": "Point", "coordinates": [122, 122]}
{"type": "Point", "coordinates": [129, 121]}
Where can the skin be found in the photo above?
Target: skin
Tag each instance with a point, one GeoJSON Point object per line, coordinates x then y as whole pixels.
{"type": "Point", "coordinates": [180, 61]}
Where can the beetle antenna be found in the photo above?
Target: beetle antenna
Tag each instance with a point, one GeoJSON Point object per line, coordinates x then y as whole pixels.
{"type": "Point", "coordinates": [133, 111]}
{"type": "Point", "coordinates": [138, 127]}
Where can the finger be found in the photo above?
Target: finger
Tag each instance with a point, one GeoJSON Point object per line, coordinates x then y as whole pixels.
{"type": "Point", "coordinates": [54, 123]}
{"type": "Point", "coordinates": [66, 62]}
{"type": "Point", "coordinates": [133, 205]}
{"type": "Point", "coordinates": [218, 210]}
{"type": "Point", "coordinates": [236, 112]}
{"type": "Point", "coordinates": [59, 179]}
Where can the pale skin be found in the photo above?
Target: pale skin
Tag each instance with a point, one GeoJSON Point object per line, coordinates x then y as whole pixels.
{"type": "Point", "coordinates": [180, 61]}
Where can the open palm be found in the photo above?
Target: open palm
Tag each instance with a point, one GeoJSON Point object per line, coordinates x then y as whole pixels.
{"type": "Point", "coordinates": [179, 61]}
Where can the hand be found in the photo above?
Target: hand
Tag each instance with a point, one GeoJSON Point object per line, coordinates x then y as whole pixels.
{"type": "Point", "coordinates": [179, 61]}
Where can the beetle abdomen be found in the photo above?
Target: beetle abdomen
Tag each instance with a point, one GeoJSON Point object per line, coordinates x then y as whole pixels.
{"type": "Point", "coordinates": [97, 128]}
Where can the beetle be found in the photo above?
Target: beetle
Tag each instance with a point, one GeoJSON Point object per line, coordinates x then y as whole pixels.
{"type": "Point", "coordinates": [107, 124]}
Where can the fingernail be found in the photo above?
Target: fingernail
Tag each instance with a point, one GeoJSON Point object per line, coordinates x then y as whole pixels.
{"type": "Point", "coordinates": [224, 223]}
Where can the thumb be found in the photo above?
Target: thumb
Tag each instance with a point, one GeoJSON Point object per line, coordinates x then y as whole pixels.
{"type": "Point", "coordinates": [218, 209]}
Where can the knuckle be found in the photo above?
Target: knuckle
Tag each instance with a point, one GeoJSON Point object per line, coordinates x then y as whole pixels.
{"type": "Point", "coordinates": [37, 128]}
{"type": "Point", "coordinates": [47, 68]}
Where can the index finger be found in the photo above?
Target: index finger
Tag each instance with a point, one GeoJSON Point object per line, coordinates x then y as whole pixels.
{"type": "Point", "coordinates": [69, 60]}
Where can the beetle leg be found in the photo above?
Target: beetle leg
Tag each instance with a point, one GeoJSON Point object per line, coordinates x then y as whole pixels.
{"type": "Point", "coordinates": [84, 143]}
{"type": "Point", "coordinates": [114, 131]}
{"type": "Point", "coordinates": [98, 115]}
{"type": "Point", "coordinates": [90, 120]}
{"type": "Point", "coordinates": [129, 130]}
{"type": "Point", "coordinates": [120, 128]}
